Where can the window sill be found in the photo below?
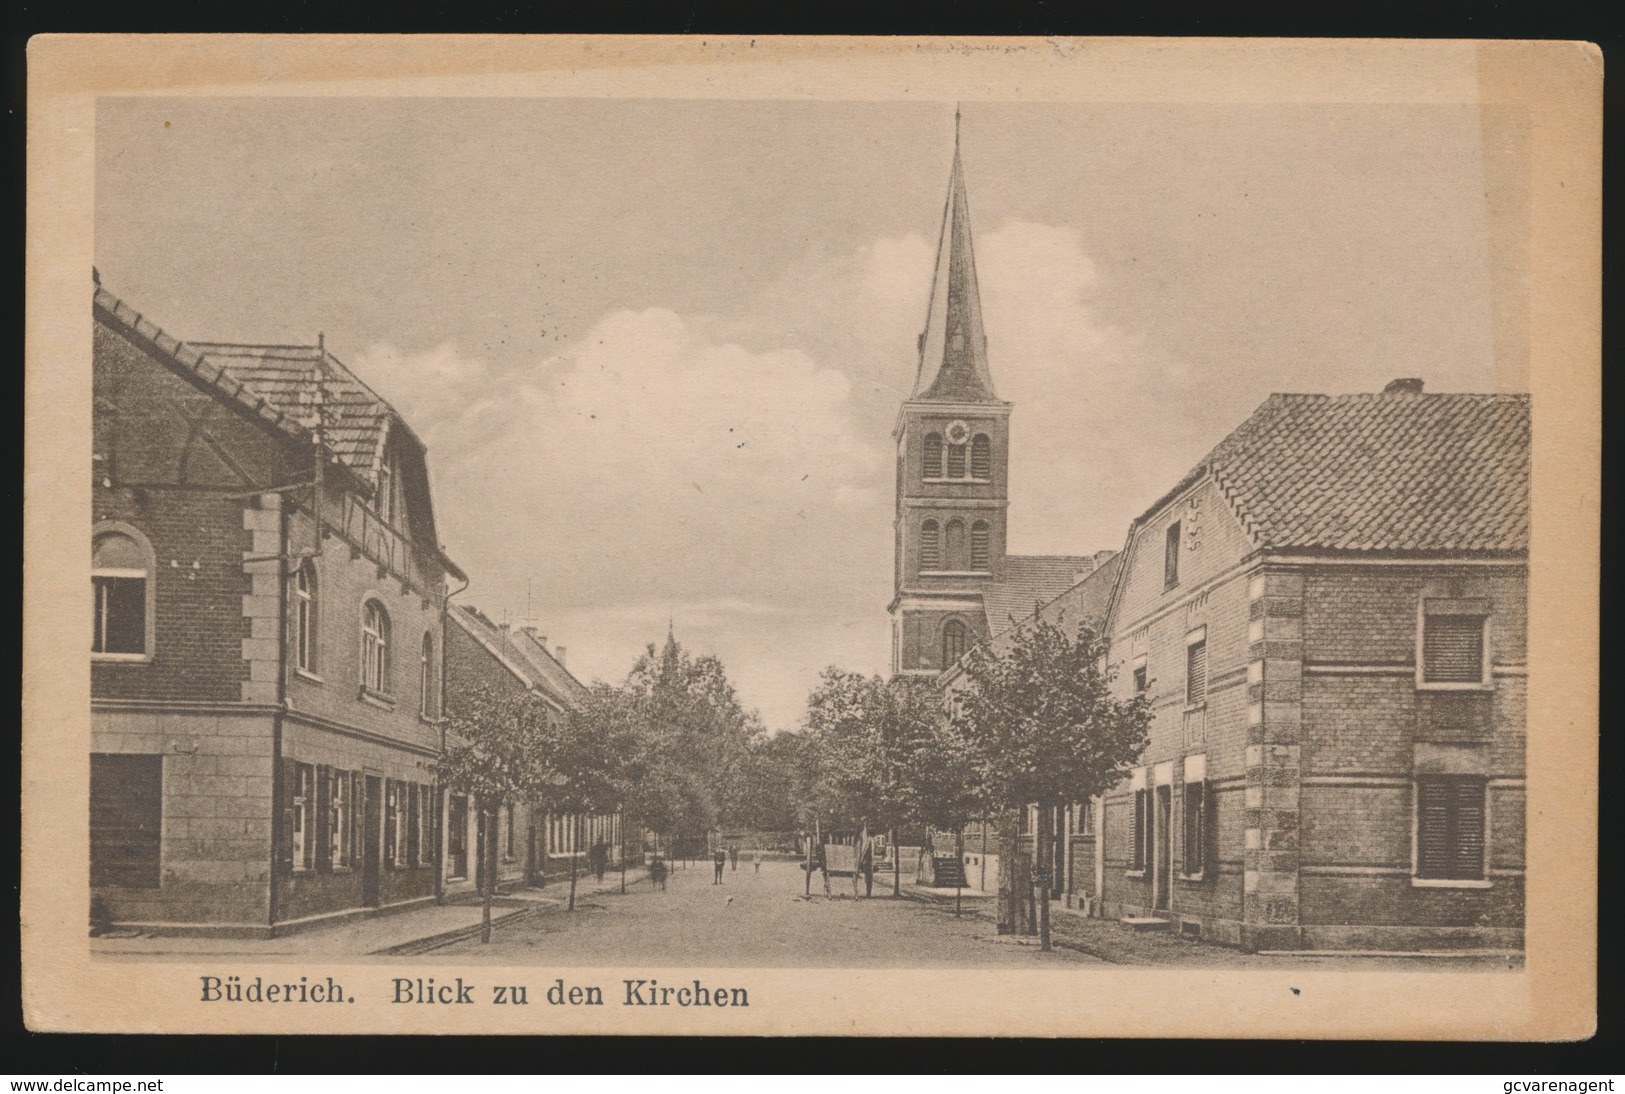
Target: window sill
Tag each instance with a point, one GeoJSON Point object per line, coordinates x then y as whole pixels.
{"type": "Point", "coordinates": [306, 674]}
{"type": "Point", "coordinates": [1450, 883]}
{"type": "Point", "coordinates": [122, 658]}
{"type": "Point", "coordinates": [376, 698]}
{"type": "Point", "coordinates": [1134, 873]}
{"type": "Point", "coordinates": [937, 480]}
{"type": "Point", "coordinates": [1439, 685]}
{"type": "Point", "coordinates": [1192, 708]}
{"type": "Point", "coordinates": [1194, 878]}
{"type": "Point", "coordinates": [956, 573]}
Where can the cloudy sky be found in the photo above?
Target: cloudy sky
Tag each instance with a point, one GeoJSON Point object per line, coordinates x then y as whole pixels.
{"type": "Point", "coordinates": [656, 348]}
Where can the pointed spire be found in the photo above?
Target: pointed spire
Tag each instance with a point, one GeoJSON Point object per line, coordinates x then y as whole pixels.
{"type": "Point", "coordinates": [953, 346]}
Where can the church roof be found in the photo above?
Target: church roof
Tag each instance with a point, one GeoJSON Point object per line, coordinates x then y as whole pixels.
{"type": "Point", "coordinates": [1032, 580]}
{"type": "Point", "coordinates": [953, 346]}
{"type": "Point", "coordinates": [1087, 601]}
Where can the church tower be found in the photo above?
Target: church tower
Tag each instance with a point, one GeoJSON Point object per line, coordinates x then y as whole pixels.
{"type": "Point", "coordinates": [952, 438]}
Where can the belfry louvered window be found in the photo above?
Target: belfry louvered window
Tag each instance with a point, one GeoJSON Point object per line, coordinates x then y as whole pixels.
{"type": "Point", "coordinates": [1452, 648]}
{"type": "Point", "coordinates": [956, 461]}
{"type": "Point", "coordinates": [954, 556]}
{"type": "Point", "coordinates": [933, 455]}
{"type": "Point", "coordinates": [930, 546]}
{"type": "Point", "coordinates": [979, 533]}
{"type": "Point", "coordinates": [981, 457]}
{"type": "Point", "coordinates": [1196, 673]}
{"type": "Point", "coordinates": [1450, 828]}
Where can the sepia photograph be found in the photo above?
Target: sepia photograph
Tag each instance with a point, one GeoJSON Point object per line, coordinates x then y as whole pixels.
{"type": "Point", "coordinates": [557, 550]}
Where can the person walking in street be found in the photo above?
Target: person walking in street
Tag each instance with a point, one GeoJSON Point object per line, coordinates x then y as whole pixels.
{"type": "Point", "coordinates": [657, 873]}
{"type": "Point", "coordinates": [733, 858]}
{"type": "Point", "coordinates": [758, 862]}
{"type": "Point", "coordinates": [867, 864]}
{"type": "Point", "coordinates": [720, 859]}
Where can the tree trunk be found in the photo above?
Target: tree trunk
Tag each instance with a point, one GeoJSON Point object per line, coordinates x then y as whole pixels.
{"type": "Point", "coordinates": [959, 876]}
{"type": "Point", "coordinates": [623, 854]}
{"type": "Point", "coordinates": [575, 827]}
{"type": "Point", "coordinates": [1015, 879]}
{"type": "Point", "coordinates": [806, 888]}
{"type": "Point", "coordinates": [896, 867]}
{"type": "Point", "coordinates": [1046, 863]}
{"type": "Point", "coordinates": [490, 873]}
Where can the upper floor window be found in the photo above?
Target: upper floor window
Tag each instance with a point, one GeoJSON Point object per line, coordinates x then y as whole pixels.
{"type": "Point", "coordinates": [955, 640]}
{"type": "Point", "coordinates": [1453, 646]}
{"type": "Point", "coordinates": [930, 546]}
{"type": "Point", "coordinates": [979, 535]}
{"type": "Point", "coordinates": [1196, 671]}
{"type": "Point", "coordinates": [386, 488]}
{"type": "Point", "coordinates": [933, 455]}
{"type": "Point", "coordinates": [375, 647]}
{"type": "Point", "coordinates": [1142, 676]}
{"type": "Point", "coordinates": [121, 576]}
{"type": "Point", "coordinates": [426, 677]}
{"type": "Point", "coordinates": [1170, 556]}
{"type": "Point", "coordinates": [304, 590]}
{"type": "Point", "coordinates": [981, 457]}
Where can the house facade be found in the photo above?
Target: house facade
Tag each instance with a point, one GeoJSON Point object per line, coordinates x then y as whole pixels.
{"type": "Point", "coordinates": [268, 638]}
{"type": "Point", "coordinates": [535, 842]}
{"type": "Point", "coordinates": [1328, 616]}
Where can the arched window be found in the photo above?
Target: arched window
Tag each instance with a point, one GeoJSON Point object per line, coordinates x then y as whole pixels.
{"type": "Point", "coordinates": [426, 677]}
{"type": "Point", "coordinates": [956, 461]}
{"type": "Point", "coordinates": [121, 577]}
{"type": "Point", "coordinates": [933, 455]}
{"type": "Point", "coordinates": [930, 546]}
{"type": "Point", "coordinates": [955, 640]}
{"type": "Point", "coordinates": [981, 457]}
{"type": "Point", "coordinates": [954, 554]}
{"type": "Point", "coordinates": [978, 545]}
{"type": "Point", "coordinates": [304, 624]}
{"type": "Point", "coordinates": [375, 647]}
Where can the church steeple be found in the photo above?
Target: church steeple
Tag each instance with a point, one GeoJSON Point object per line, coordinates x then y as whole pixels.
{"type": "Point", "coordinates": [953, 346]}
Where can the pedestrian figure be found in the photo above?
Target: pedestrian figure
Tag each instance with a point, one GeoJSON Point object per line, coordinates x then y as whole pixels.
{"type": "Point", "coordinates": [657, 873]}
{"type": "Point", "coordinates": [733, 858]}
{"type": "Point", "coordinates": [868, 866]}
{"type": "Point", "coordinates": [720, 859]}
{"type": "Point", "coordinates": [758, 862]}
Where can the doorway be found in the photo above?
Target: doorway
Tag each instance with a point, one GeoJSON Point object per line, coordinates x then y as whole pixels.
{"type": "Point", "coordinates": [372, 849]}
{"type": "Point", "coordinates": [1163, 848]}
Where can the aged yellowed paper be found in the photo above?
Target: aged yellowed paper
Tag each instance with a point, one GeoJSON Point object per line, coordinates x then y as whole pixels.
{"type": "Point", "coordinates": [1276, 361]}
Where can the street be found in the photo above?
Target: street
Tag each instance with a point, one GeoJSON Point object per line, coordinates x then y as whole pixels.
{"type": "Point", "coordinates": [757, 920]}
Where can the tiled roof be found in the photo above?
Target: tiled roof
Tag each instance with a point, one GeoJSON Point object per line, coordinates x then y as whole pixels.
{"type": "Point", "coordinates": [355, 420]}
{"type": "Point", "coordinates": [1401, 470]}
{"type": "Point", "coordinates": [526, 656]}
{"type": "Point", "coordinates": [1088, 600]}
{"type": "Point", "coordinates": [1032, 580]}
{"type": "Point", "coordinates": [278, 384]}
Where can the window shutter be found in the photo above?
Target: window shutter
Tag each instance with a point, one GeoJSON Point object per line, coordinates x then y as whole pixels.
{"type": "Point", "coordinates": [979, 546]}
{"type": "Point", "coordinates": [289, 775]}
{"type": "Point", "coordinates": [321, 825]}
{"type": "Point", "coordinates": [1433, 843]}
{"type": "Point", "coordinates": [1468, 860]}
{"type": "Point", "coordinates": [1453, 649]}
{"type": "Point", "coordinates": [956, 461]}
{"type": "Point", "coordinates": [930, 547]}
{"type": "Point", "coordinates": [981, 457]}
{"type": "Point", "coordinates": [1196, 673]}
{"type": "Point", "coordinates": [391, 796]}
{"type": "Point", "coordinates": [412, 824]}
{"type": "Point", "coordinates": [933, 455]}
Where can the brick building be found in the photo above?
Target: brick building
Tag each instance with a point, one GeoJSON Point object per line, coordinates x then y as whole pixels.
{"type": "Point", "coordinates": [534, 843]}
{"type": "Point", "coordinates": [268, 638]}
{"type": "Point", "coordinates": [1328, 615]}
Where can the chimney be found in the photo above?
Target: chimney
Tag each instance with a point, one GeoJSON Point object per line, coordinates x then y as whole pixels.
{"type": "Point", "coordinates": [1407, 386]}
{"type": "Point", "coordinates": [558, 654]}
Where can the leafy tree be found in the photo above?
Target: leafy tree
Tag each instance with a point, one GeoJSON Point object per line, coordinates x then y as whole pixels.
{"type": "Point", "coordinates": [1047, 730]}
{"type": "Point", "coordinates": [497, 748]}
{"type": "Point", "coordinates": [941, 784]}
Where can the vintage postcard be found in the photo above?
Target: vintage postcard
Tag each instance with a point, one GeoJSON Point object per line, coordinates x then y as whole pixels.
{"type": "Point", "coordinates": [812, 536]}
